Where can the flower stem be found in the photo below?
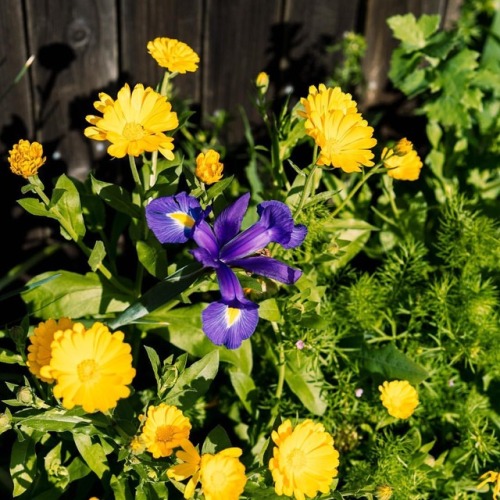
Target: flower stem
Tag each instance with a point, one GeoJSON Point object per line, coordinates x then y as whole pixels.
{"type": "Point", "coordinates": [355, 189]}
{"type": "Point", "coordinates": [74, 236]}
{"type": "Point", "coordinates": [306, 191]}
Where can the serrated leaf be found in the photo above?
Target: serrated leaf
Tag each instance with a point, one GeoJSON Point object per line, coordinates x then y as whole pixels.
{"type": "Point", "coordinates": [73, 295]}
{"type": "Point", "coordinates": [391, 364]}
{"type": "Point", "coordinates": [413, 33]}
{"type": "Point", "coordinates": [194, 381]}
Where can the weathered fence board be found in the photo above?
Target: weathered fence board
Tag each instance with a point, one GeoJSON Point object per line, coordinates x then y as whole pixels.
{"type": "Point", "coordinates": [83, 47]}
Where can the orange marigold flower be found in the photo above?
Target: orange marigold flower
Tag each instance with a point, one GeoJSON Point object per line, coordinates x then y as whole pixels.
{"type": "Point", "coordinates": [402, 161]}
{"type": "Point", "coordinates": [208, 167]}
{"type": "Point", "coordinates": [173, 55]}
{"type": "Point", "coordinates": [25, 158]}
{"type": "Point", "coordinates": [39, 351]}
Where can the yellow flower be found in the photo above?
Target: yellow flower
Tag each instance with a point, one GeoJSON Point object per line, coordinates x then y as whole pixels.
{"type": "Point", "coordinates": [491, 477]}
{"type": "Point", "coordinates": [345, 141]}
{"type": "Point", "coordinates": [174, 55]}
{"type": "Point", "coordinates": [399, 397]}
{"type": "Point", "coordinates": [323, 100]}
{"type": "Point", "coordinates": [333, 121]}
{"type": "Point", "coordinates": [92, 368]}
{"type": "Point", "coordinates": [208, 167]}
{"type": "Point", "coordinates": [189, 467]}
{"type": "Point", "coordinates": [384, 492]}
{"type": "Point", "coordinates": [262, 82]}
{"type": "Point", "coordinates": [304, 460]}
{"type": "Point", "coordinates": [222, 475]}
{"type": "Point", "coordinates": [137, 445]}
{"type": "Point", "coordinates": [134, 123]}
{"type": "Point", "coordinates": [26, 158]}
{"type": "Point", "coordinates": [39, 352]}
{"type": "Point", "coordinates": [402, 161]}
{"type": "Point", "coordinates": [165, 428]}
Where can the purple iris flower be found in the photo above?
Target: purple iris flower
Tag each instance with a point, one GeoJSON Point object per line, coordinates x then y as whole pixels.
{"type": "Point", "coordinates": [234, 318]}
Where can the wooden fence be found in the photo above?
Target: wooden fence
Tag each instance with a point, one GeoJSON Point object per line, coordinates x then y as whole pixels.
{"type": "Point", "coordinates": [82, 47]}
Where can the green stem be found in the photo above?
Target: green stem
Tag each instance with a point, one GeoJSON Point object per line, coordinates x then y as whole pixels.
{"type": "Point", "coordinates": [306, 191]}
{"type": "Point", "coordinates": [135, 174]}
{"type": "Point", "coordinates": [355, 189]}
{"type": "Point", "coordinates": [69, 229]}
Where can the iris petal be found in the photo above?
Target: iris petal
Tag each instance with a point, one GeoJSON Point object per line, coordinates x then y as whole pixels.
{"type": "Point", "coordinates": [225, 326]}
{"type": "Point", "coordinates": [270, 268]}
{"type": "Point", "coordinates": [228, 223]}
{"type": "Point", "coordinates": [173, 218]}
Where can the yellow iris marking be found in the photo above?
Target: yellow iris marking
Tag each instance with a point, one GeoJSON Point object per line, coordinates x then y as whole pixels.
{"type": "Point", "coordinates": [183, 219]}
{"type": "Point", "coordinates": [232, 315]}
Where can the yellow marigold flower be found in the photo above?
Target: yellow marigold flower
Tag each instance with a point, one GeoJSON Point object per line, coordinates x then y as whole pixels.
{"type": "Point", "coordinates": [222, 475]}
{"type": "Point", "coordinates": [402, 161]}
{"type": "Point", "coordinates": [165, 428]}
{"type": "Point", "coordinates": [137, 445]}
{"type": "Point", "coordinates": [92, 368]}
{"type": "Point", "coordinates": [208, 167]}
{"type": "Point", "coordinates": [323, 100]}
{"type": "Point", "coordinates": [26, 158]}
{"type": "Point", "coordinates": [345, 140]}
{"type": "Point", "coordinates": [134, 123]}
{"type": "Point", "coordinates": [188, 468]}
{"type": "Point", "coordinates": [39, 352]}
{"type": "Point", "coordinates": [491, 477]}
{"type": "Point", "coordinates": [399, 397]}
{"type": "Point", "coordinates": [262, 82]}
{"type": "Point", "coordinates": [174, 55]}
{"type": "Point", "coordinates": [384, 492]}
{"type": "Point", "coordinates": [304, 460]}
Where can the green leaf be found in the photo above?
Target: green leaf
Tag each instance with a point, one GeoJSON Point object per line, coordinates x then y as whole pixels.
{"type": "Point", "coordinates": [392, 364]}
{"type": "Point", "coordinates": [245, 388]}
{"type": "Point", "coordinates": [35, 207]}
{"type": "Point", "coordinates": [66, 199]}
{"type": "Point", "coordinates": [55, 420]}
{"type": "Point", "coordinates": [154, 359]}
{"type": "Point", "coordinates": [121, 489]}
{"type": "Point", "coordinates": [218, 188]}
{"type": "Point", "coordinates": [306, 381]}
{"type": "Point", "coordinates": [92, 453]}
{"type": "Point", "coordinates": [412, 33]}
{"type": "Point", "coordinates": [216, 440]}
{"type": "Point", "coordinates": [159, 295]}
{"type": "Point", "coordinates": [194, 381]}
{"type": "Point", "coordinates": [23, 469]}
{"type": "Point", "coordinates": [269, 310]}
{"type": "Point", "coordinates": [73, 295]}
{"type": "Point", "coordinates": [116, 197]}
{"type": "Point", "coordinates": [97, 255]}
{"type": "Point", "coordinates": [153, 257]}
{"type": "Point", "coordinates": [10, 358]}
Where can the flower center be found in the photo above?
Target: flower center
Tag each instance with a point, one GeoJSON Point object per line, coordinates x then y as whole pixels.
{"type": "Point", "coordinates": [232, 315]}
{"type": "Point", "coordinates": [133, 131]}
{"type": "Point", "coordinates": [296, 460]}
{"type": "Point", "coordinates": [165, 433]}
{"type": "Point", "coordinates": [87, 370]}
{"type": "Point", "coordinates": [182, 218]}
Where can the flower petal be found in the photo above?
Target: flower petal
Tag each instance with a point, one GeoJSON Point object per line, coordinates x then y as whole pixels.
{"type": "Point", "coordinates": [229, 325]}
{"type": "Point", "coordinates": [268, 267]}
{"type": "Point", "coordinates": [173, 218]}
{"type": "Point", "coordinates": [228, 223]}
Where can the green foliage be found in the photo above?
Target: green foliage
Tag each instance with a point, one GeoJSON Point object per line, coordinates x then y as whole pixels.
{"type": "Point", "coordinates": [399, 281]}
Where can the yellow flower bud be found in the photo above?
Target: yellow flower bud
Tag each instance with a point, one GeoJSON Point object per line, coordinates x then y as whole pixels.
{"type": "Point", "coordinates": [208, 167]}
{"type": "Point", "coordinates": [26, 158]}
